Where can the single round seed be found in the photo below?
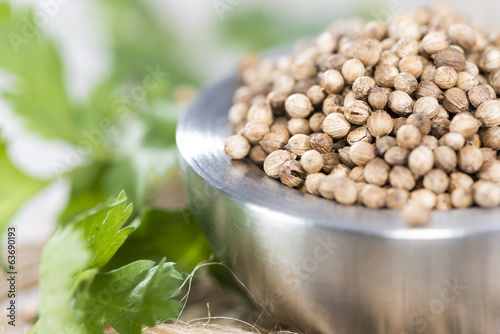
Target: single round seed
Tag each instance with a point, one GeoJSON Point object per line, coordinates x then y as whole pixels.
{"type": "Point", "coordinates": [376, 172]}
{"type": "Point", "coordinates": [357, 174]}
{"type": "Point", "coordinates": [340, 170]}
{"type": "Point", "coordinates": [238, 113]}
{"type": "Point", "coordinates": [315, 121]}
{"type": "Point", "coordinates": [430, 142]}
{"type": "Point", "coordinates": [412, 65]}
{"type": "Point", "coordinates": [312, 182]}
{"type": "Point", "coordinates": [326, 42]}
{"type": "Point", "coordinates": [385, 143]}
{"type": "Point", "coordinates": [440, 126]}
{"type": "Point", "coordinates": [389, 58]}
{"type": "Point", "coordinates": [336, 125]}
{"type": "Point", "coordinates": [421, 122]}
{"type": "Point", "coordinates": [427, 105]}
{"type": "Point", "coordinates": [363, 86]}
{"type": "Point", "coordinates": [345, 190]}
{"type": "Point", "coordinates": [292, 174]}
{"type": "Point", "coordinates": [421, 160]}
{"type": "Point", "coordinates": [490, 171]}
{"type": "Point", "coordinates": [437, 181]}
{"type": "Point", "coordinates": [454, 140]}
{"type": "Point", "coordinates": [359, 134]}
{"type": "Point", "coordinates": [345, 157]}
{"type": "Point", "coordinates": [465, 124]}
{"type": "Point", "coordinates": [385, 75]}
{"type": "Point", "coordinates": [380, 123]}
{"type": "Point", "coordinates": [368, 50]}
{"type": "Point", "coordinates": [276, 100]}
{"type": "Point", "coordinates": [377, 98]}
{"type": "Point", "coordinates": [357, 112]}
{"type": "Point", "coordinates": [466, 81]}
{"type": "Point", "coordinates": [327, 187]}
{"type": "Point", "coordinates": [312, 161]}
{"type": "Point", "coordinates": [316, 94]}
{"type": "Point", "coordinates": [445, 77]}
{"type": "Point", "coordinates": [480, 94]}
{"type": "Point", "coordinates": [491, 138]}
{"type": "Point", "coordinates": [298, 126]}
{"type": "Point", "coordinates": [409, 136]}
{"type": "Point", "coordinates": [424, 197]}
{"type": "Point", "coordinates": [330, 160]}
{"type": "Point", "coordinates": [375, 29]}
{"type": "Point", "coordinates": [489, 113]}
{"type": "Point", "coordinates": [274, 161]}
{"type": "Point", "coordinates": [397, 198]}
{"type": "Point", "coordinates": [237, 147]}
{"type": "Point", "coordinates": [428, 88]}
{"type": "Point", "coordinates": [255, 132]}
{"type": "Point", "coordinates": [321, 142]}
{"type": "Point", "coordinates": [333, 104]}
{"type": "Point", "coordinates": [463, 35]}
{"type": "Point", "coordinates": [445, 158]}
{"type": "Point", "coordinates": [488, 154]}
{"type": "Point", "coordinates": [352, 70]}
{"type": "Point", "coordinates": [401, 177]}
{"type": "Point", "coordinates": [415, 215]}
{"type": "Point", "coordinates": [443, 202]}
{"type": "Point", "coordinates": [428, 73]}
{"type": "Point", "coordinates": [332, 81]}
{"type": "Point", "coordinates": [361, 153]}
{"type": "Point", "coordinates": [400, 102]}
{"type": "Point", "coordinates": [298, 106]}
{"type": "Point", "coordinates": [273, 141]}
{"type": "Point", "coordinates": [455, 100]}
{"type": "Point", "coordinates": [396, 156]}
{"type": "Point", "coordinates": [470, 159]}
{"type": "Point", "coordinates": [435, 41]}
{"type": "Point", "coordinates": [462, 198]}
{"type": "Point", "coordinates": [486, 194]}
{"type": "Point", "coordinates": [449, 57]}
{"type": "Point", "coordinates": [490, 59]}
{"type": "Point", "coordinates": [406, 82]}
{"type": "Point", "coordinates": [299, 144]}
{"type": "Point", "coordinates": [373, 197]}
{"type": "Point", "coordinates": [257, 154]}
{"type": "Point", "coordinates": [460, 180]}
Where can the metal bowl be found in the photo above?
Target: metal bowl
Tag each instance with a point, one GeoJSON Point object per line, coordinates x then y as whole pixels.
{"type": "Point", "coordinates": [326, 268]}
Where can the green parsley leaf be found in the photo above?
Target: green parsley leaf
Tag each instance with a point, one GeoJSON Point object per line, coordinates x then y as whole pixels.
{"type": "Point", "coordinates": [135, 295]}
{"type": "Point", "coordinates": [103, 230]}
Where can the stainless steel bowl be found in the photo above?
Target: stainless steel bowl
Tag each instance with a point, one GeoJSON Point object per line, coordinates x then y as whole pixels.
{"type": "Point", "coordinates": [326, 268]}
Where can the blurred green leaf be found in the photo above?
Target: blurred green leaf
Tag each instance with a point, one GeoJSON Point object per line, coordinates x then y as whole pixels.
{"type": "Point", "coordinates": [135, 295]}
{"type": "Point", "coordinates": [163, 233]}
{"type": "Point", "coordinates": [103, 230]}
{"type": "Point", "coordinates": [64, 256]}
{"type": "Point", "coordinates": [15, 189]}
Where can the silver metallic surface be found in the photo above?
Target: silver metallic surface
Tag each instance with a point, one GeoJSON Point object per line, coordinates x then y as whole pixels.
{"type": "Point", "coordinates": [326, 268]}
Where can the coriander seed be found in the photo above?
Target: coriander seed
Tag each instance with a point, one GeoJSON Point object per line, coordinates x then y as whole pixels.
{"type": "Point", "coordinates": [454, 140]}
{"type": "Point", "coordinates": [376, 172]}
{"type": "Point", "coordinates": [336, 125]}
{"type": "Point", "coordinates": [486, 194]}
{"type": "Point", "coordinates": [312, 161]}
{"type": "Point", "coordinates": [352, 70]}
{"type": "Point", "coordinates": [443, 202]}
{"type": "Point", "coordinates": [430, 142]}
{"type": "Point", "coordinates": [273, 141]}
{"type": "Point", "coordinates": [470, 159]}
{"type": "Point", "coordinates": [402, 177]}
{"type": "Point", "coordinates": [333, 104]}
{"type": "Point", "coordinates": [345, 191]}
{"type": "Point", "coordinates": [299, 144]}
{"type": "Point", "coordinates": [435, 41]}
{"type": "Point", "coordinates": [363, 86]}
{"type": "Point", "coordinates": [465, 124]}
{"type": "Point", "coordinates": [409, 136]}
{"type": "Point", "coordinates": [460, 180]}
{"type": "Point", "coordinates": [406, 82]}
{"type": "Point", "coordinates": [332, 81]}
{"type": "Point", "coordinates": [257, 154]}
{"type": "Point", "coordinates": [345, 157]}
{"type": "Point", "coordinates": [455, 100]}
{"type": "Point", "coordinates": [427, 105]}
{"type": "Point", "coordinates": [421, 122]}
{"type": "Point", "coordinates": [238, 113]}
{"type": "Point", "coordinates": [274, 161]}
{"type": "Point", "coordinates": [424, 197]}
{"type": "Point", "coordinates": [368, 50]}
{"type": "Point", "coordinates": [359, 134]}
{"type": "Point", "coordinates": [357, 112]}
{"type": "Point", "coordinates": [316, 94]}
{"type": "Point", "coordinates": [489, 113]}
{"type": "Point", "coordinates": [428, 88]}
{"type": "Point", "coordinates": [436, 181]}
{"type": "Point", "coordinates": [396, 156]}
{"type": "Point", "coordinates": [255, 132]}
{"type": "Point", "coordinates": [397, 198]}
{"type": "Point", "coordinates": [445, 158]}
{"type": "Point", "coordinates": [357, 174]}
{"type": "Point", "coordinates": [466, 81]}
{"type": "Point", "coordinates": [361, 153]}
{"type": "Point", "coordinates": [298, 106]}
{"type": "Point", "coordinates": [490, 171]}
{"type": "Point", "coordinates": [421, 160]}
{"type": "Point", "coordinates": [491, 138]}
{"type": "Point", "coordinates": [292, 174]}
{"type": "Point", "coordinates": [416, 215]}
{"type": "Point", "coordinates": [330, 160]}
{"type": "Point", "coordinates": [377, 98]}
{"type": "Point", "coordinates": [445, 77]}
{"type": "Point", "coordinates": [385, 75]}
{"type": "Point", "coordinates": [480, 94]}
{"type": "Point", "coordinates": [315, 121]}
{"type": "Point", "coordinates": [449, 57]}
{"type": "Point", "coordinates": [380, 123]}
{"type": "Point", "coordinates": [412, 65]}
{"type": "Point", "coordinates": [373, 197]}
{"type": "Point", "coordinates": [400, 103]}
{"type": "Point", "coordinates": [237, 147]}
{"type": "Point", "coordinates": [321, 142]}
{"type": "Point", "coordinates": [462, 198]}
{"type": "Point", "coordinates": [297, 126]}
{"type": "Point", "coordinates": [312, 182]}
{"type": "Point", "coordinates": [385, 143]}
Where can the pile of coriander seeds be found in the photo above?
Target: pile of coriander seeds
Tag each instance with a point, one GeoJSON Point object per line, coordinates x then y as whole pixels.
{"type": "Point", "coordinates": [402, 115]}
